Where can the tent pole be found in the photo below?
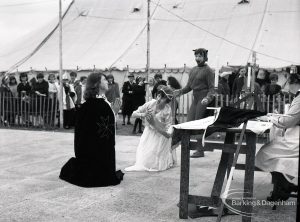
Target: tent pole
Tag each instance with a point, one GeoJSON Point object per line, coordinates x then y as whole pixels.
{"type": "Point", "coordinates": [60, 69]}
{"type": "Point", "coordinates": [148, 50]}
{"type": "Point", "coordinates": [253, 70]}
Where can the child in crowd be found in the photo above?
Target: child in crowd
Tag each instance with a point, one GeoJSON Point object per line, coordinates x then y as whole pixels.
{"type": "Point", "coordinates": [273, 88]}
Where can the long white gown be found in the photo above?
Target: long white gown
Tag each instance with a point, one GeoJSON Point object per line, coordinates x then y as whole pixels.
{"type": "Point", "coordinates": [154, 151]}
{"type": "Point", "coordinates": [281, 154]}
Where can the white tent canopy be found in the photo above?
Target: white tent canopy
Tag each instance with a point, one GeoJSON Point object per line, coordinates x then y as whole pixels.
{"type": "Point", "coordinates": [106, 34]}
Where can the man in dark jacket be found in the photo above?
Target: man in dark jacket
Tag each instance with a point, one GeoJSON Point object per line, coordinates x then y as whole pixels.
{"type": "Point", "coordinates": [128, 99]}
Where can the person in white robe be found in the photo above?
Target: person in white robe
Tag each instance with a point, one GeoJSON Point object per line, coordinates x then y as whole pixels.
{"type": "Point", "coordinates": [281, 155]}
{"type": "Point", "coordinates": [154, 151]}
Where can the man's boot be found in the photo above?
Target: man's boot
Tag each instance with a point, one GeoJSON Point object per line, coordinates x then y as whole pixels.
{"type": "Point", "coordinates": [198, 154]}
{"type": "Point", "coordinates": [200, 150]}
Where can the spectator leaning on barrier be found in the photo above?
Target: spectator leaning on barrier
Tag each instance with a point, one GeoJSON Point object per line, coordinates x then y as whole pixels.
{"type": "Point", "coordinates": [201, 81]}
{"type": "Point", "coordinates": [53, 85]}
{"type": "Point", "coordinates": [24, 91]}
{"type": "Point", "coordinates": [40, 93]}
{"type": "Point", "coordinates": [23, 88]}
{"type": "Point", "coordinates": [41, 87]}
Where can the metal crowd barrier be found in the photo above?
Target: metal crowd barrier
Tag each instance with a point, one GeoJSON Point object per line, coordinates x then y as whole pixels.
{"type": "Point", "coordinates": [32, 111]}
{"type": "Point", "coordinates": [29, 111]}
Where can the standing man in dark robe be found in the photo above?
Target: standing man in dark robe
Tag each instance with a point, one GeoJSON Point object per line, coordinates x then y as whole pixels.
{"type": "Point", "coordinates": [128, 99]}
{"type": "Point", "coordinates": [201, 81]}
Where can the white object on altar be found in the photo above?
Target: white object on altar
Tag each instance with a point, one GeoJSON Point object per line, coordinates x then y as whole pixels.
{"type": "Point", "coordinates": [258, 127]}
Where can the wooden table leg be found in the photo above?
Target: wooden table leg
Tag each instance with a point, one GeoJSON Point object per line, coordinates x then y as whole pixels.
{"type": "Point", "coordinates": [184, 176]}
{"type": "Point", "coordinates": [223, 166]}
{"type": "Point", "coordinates": [249, 175]}
{"type": "Point", "coordinates": [221, 172]}
{"type": "Point", "coordinates": [229, 139]}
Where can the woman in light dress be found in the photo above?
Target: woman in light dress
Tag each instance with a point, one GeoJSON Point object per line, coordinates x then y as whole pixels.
{"type": "Point", "coordinates": [154, 151]}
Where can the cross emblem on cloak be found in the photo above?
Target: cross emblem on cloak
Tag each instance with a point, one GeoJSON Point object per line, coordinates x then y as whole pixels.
{"type": "Point", "coordinates": [105, 129]}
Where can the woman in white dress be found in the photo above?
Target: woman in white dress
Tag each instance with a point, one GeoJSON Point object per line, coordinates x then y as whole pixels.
{"type": "Point", "coordinates": [154, 151]}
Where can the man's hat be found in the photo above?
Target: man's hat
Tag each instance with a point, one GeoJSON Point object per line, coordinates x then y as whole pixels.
{"type": "Point", "coordinates": [166, 90]}
{"type": "Point", "coordinates": [130, 75]}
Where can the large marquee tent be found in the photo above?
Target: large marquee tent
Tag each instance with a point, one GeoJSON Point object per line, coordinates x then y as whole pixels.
{"type": "Point", "coordinates": [113, 34]}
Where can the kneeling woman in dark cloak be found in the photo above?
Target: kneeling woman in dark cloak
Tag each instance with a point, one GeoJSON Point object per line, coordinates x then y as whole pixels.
{"type": "Point", "coordinates": [94, 164]}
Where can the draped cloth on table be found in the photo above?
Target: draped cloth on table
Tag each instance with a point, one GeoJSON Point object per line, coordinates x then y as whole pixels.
{"type": "Point", "coordinates": [225, 117]}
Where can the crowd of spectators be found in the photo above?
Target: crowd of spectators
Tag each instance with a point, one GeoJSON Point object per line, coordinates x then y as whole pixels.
{"type": "Point", "coordinates": [233, 83]}
{"type": "Point", "coordinates": [35, 101]}
{"type": "Point", "coordinates": [37, 95]}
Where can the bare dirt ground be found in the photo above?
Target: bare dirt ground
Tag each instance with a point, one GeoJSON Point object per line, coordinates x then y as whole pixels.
{"type": "Point", "coordinates": [30, 189]}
